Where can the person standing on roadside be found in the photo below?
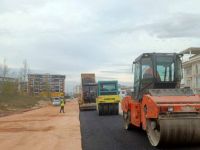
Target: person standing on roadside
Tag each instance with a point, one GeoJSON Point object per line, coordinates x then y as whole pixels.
{"type": "Point", "coordinates": [62, 105]}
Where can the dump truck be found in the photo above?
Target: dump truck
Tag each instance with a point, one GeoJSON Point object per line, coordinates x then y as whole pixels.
{"type": "Point", "coordinates": [108, 98]}
{"type": "Point", "coordinates": [87, 100]}
{"type": "Point", "coordinates": [169, 114]}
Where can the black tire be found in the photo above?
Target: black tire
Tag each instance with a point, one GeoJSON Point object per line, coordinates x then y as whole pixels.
{"type": "Point", "coordinates": [127, 120]}
{"type": "Point", "coordinates": [111, 109]}
{"type": "Point", "coordinates": [100, 109]}
{"type": "Point", "coordinates": [106, 109]}
{"type": "Point", "coordinates": [116, 109]}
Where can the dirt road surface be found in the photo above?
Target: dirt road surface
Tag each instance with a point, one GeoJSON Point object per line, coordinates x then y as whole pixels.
{"type": "Point", "coordinates": [42, 129]}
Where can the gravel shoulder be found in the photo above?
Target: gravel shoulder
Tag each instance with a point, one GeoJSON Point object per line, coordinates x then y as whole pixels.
{"type": "Point", "coordinates": [43, 128]}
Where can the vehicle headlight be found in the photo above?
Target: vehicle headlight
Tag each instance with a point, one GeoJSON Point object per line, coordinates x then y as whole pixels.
{"type": "Point", "coordinates": [170, 109]}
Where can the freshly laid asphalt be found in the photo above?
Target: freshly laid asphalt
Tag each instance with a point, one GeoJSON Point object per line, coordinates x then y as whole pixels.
{"type": "Point", "coordinates": [107, 133]}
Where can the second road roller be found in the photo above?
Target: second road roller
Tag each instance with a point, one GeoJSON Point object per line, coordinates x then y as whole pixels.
{"type": "Point", "coordinates": [108, 98]}
{"type": "Point", "coordinates": [168, 113]}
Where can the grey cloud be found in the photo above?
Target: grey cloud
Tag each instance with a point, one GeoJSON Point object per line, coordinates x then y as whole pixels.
{"type": "Point", "coordinates": [105, 78]}
{"type": "Point", "coordinates": [118, 72]}
{"type": "Point", "coordinates": [177, 26]}
{"type": "Point", "coordinates": [73, 54]}
{"type": "Point", "coordinates": [71, 37]}
{"type": "Point", "coordinates": [8, 6]}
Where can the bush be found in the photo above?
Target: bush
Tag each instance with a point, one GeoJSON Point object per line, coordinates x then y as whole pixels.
{"type": "Point", "coordinates": [9, 88]}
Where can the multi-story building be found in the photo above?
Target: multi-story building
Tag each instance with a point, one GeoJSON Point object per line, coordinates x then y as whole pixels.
{"type": "Point", "coordinates": [43, 84]}
{"type": "Point", "coordinates": [8, 79]}
{"type": "Point", "coordinates": [23, 87]}
{"type": "Point", "coordinates": [191, 67]}
{"type": "Point", "coordinates": [77, 91]}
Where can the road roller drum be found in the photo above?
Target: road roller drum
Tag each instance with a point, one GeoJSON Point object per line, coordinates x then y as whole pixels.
{"type": "Point", "coordinates": [174, 131]}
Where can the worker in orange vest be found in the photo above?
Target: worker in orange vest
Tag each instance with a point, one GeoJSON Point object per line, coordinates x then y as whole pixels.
{"type": "Point", "coordinates": [62, 105]}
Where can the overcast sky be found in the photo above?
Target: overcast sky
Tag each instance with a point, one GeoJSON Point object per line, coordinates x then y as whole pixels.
{"type": "Point", "coordinates": [102, 36]}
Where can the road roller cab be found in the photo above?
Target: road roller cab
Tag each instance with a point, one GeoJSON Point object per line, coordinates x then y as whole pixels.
{"type": "Point", "coordinates": [108, 98]}
{"type": "Point", "coordinates": [168, 113]}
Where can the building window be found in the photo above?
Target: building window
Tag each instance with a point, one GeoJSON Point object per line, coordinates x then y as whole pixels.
{"type": "Point", "coordinates": [197, 68]}
{"type": "Point", "coordinates": [188, 83]}
{"type": "Point", "coordinates": [198, 82]}
{"type": "Point", "coordinates": [188, 71]}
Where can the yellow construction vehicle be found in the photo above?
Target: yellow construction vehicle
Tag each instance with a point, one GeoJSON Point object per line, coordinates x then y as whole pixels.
{"type": "Point", "coordinates": [108, 98]}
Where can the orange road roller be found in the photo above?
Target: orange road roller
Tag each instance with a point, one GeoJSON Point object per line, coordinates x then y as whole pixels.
{"type": "Point", "coordinates": [169, 114]}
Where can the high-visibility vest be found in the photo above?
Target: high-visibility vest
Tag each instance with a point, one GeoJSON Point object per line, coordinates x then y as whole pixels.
{"type": "Point", "coordinates": [62, 103]}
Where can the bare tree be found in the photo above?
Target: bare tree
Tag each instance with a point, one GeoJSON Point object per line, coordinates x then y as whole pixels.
{"type": "Point", "coordinates": [25, 70]}
{"type": "Point", "coordinates": [8, 86]}
{"type": "Point", "coordinates": [1, 70]}
{"type": "Point", "coordinates": [23, 73]}
{"type": "Point", "coordinates": [23, 77]}
{"type": "Point", "coordinates": [5, 70]}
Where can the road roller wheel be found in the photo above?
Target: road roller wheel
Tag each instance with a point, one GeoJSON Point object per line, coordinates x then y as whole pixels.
{"type": "Point", "coordinates": [116, 109]}
{"type": "Point", "coordinates": [153, 132]}
{"type": "Point", "coordinates": [174, 131]}
{"type": "Point", "coordinates": [111, 109]}
{"type": "Point", "coordinates": [106, 108]}
{"type": "Point", "coordinates": [100, 109]}
{"type": "Point", "coordinates": [127, 120]}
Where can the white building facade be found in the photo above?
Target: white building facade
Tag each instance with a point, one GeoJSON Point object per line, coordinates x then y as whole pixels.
{"type": "Point", "coordinates": [191, 67]}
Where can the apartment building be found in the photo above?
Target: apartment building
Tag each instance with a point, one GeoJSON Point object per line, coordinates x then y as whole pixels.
{"type": "Point", "coordinates": [191, 67]}
{"type": "Point", "coordinates": [44, 83]}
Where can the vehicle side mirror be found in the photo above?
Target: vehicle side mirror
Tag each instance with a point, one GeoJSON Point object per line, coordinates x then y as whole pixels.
{"type": "Point", "coordinates": [133, 64]}
{"type": "Point", "coordinates": [180, 55]}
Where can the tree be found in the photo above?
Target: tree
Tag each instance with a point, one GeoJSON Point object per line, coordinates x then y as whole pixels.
{"type": "Point", "coordinates": [4, 70]}
{"type": "Point", "coordinates": [1, 70]}
{"type": "Point", "coordinates": [25, 70]}
{"type": "Point", "coordinates": [23, 77]}
{"type": "Point", "coordinates": [8, 86]}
